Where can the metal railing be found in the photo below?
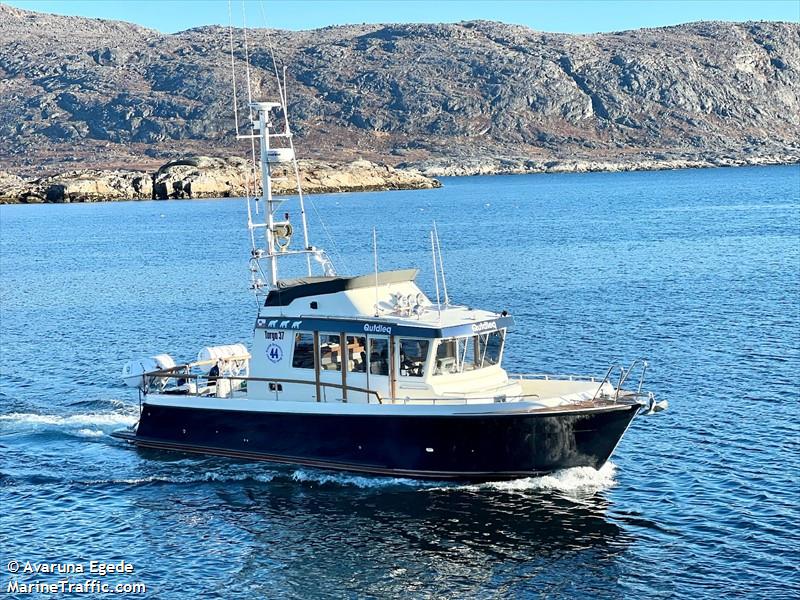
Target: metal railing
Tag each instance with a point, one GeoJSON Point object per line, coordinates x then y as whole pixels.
{"type": "Point", "coordinates": [207, 387]}
{"type": "Point", "coordinates": [623, 377]}
{"type": "Point", "coordinates": [212, 386]}
{"type": "Point", "coordinates": [463, 399]}
{"type": "Point", "coordinates": [552, 377]}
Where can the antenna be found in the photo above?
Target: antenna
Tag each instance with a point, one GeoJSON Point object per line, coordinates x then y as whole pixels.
{"type": "Point", "coordinates": [375, 254]}
{"type": "Point", "coordinates": [285, 101]}
{"type": "Point", "coordinates": [250, 106]}
{"type": "Point", "coordinates": [441, 266]}
{"type": "Point", "coordinates": [265, 126]}
{"type": "Point", "coordinates": [247, 59]}
{"type": "Point", "coordinates": [233, 71]}
{"type": "Point", "coordinates": [436, 277]}
{"type": "Point", "coordinates": [236, 124]}
{"type": "Point", "coordinates": [288, 133]}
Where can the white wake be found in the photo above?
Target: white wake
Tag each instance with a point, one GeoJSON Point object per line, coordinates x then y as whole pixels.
{"type": "Point", "coordinates": [578, 480]}
{"type": "Point", "coordinates": [206, 477]}
{"type": "Point", "coordinates": [359, 481]}
{"type": "Point", "coordinates": [89, 425]}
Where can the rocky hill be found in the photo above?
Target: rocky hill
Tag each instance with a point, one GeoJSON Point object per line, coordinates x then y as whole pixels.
{"type": "Point", "coordinates": [466, 97]}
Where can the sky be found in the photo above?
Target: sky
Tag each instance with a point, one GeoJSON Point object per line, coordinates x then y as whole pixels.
{"type": "Point", "coordinates": [566, 16]}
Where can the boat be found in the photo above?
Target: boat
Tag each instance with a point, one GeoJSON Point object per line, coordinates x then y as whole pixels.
{"type": "Point", "coordinates": [369, 374]}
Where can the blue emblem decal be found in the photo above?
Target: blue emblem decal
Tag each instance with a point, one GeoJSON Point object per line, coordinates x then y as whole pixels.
{"type": "Point", "coordinates": [274, 353]}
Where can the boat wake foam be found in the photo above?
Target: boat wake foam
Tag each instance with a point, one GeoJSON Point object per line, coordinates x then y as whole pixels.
{"type": "Point", "coordinates": [207, 477]}
{"type": "Point", "coordinates": [108, 402]}
{"type": "Point", "coordinates": [90, 433]}
{"type": "Point", "coordinates": [89, 425]}
{"type": "Point", "coordinates": [359, 481]}
{"type": "Point", "coordinates": [577, 480]}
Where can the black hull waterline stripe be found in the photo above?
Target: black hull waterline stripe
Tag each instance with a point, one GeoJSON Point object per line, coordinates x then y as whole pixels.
{"type": "Point", "coordinates": [494, 446]}
{"type": "Point", "coordinates": [303, 462]}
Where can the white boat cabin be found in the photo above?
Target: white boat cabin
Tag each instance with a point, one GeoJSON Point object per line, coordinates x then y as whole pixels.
{"type": "Point", "coordinates": [375, 338]}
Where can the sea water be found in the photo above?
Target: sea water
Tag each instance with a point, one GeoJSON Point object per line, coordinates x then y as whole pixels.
{"type": "Point", "coordinates": [697, 270]}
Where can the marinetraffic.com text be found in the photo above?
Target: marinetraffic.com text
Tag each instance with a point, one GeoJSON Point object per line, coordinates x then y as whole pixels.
{"type": "Point", "coordinates": [92, 577]}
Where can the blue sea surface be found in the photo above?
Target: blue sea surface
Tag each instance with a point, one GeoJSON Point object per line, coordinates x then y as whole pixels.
{"type": "Point", "coordinates": [697, 270]}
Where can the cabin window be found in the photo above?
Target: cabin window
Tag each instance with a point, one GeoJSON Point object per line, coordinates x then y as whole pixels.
{"type": "Point", "coordinates": [357, 354]}
{"type": "Point", "coordinates": [468, 353]}
{"type": "Point", "coordinates": [413, 354]}
{"type": "Point", "coordinates": [446, 353]}
{"type": "Point", "coordinates": [330, 352]}
{"type": "Point", "coordinates": [457, 355]}
{"type": "Point", "coordinates": [378, 356]}
{"type": "Point", "coordinates": [303, 357]}
{"type": "Point", "coordinates": [490, 348]}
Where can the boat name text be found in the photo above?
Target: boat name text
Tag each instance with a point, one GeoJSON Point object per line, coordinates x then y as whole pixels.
{"type": "Point", "coordinates": [377, 328]}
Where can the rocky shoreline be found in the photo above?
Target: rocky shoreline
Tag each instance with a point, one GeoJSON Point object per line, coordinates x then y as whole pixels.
{"type": "Point", "coordinates": [517, 166]}
{"type": "Point", "coordinates": [214, 177]}
{"type": "Point", "coordinates": [205, 177]}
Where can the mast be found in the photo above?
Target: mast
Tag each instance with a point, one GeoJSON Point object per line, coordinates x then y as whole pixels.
{"type": "Point", "coordinates": [264, 125]}
{"type": "Point", "coordinates": [278, 234]}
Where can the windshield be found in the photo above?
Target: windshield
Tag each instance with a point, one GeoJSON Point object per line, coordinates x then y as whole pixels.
{"type": "Point", "coordinates": [457, 355]}
{"type": "Point", "coordinates": [413, 354]}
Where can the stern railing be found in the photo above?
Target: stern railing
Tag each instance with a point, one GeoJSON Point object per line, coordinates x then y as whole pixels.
{"type": "Point", "coordinates": [212, 387]}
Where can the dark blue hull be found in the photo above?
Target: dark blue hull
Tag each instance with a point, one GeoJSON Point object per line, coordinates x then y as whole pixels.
{"type": "Point", "coordinates": [472, 447]}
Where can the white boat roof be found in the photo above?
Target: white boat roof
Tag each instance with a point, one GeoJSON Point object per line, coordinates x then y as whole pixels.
{"type": "Point", "coordinates": [347, 304]}
{"type": "Point", "coordinates": [289, 290]}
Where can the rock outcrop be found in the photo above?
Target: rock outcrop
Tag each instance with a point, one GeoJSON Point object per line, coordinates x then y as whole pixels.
{"type": "Point", "coordinates": [90, 93]}
{"type": "Point", "coordinates": [97, 186]}
{"type": "Point", "coordinates": [205, 177]}
{"type": "Point", "coordinates": [516, 166]}
{"type": "Point", "coordinates": [14, 189]}
{"type": "Point", "coordinates": [359, 175]}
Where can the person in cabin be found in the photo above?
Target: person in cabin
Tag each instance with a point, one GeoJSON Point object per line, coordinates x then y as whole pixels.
{"type": "Point", "coordinates": [213, 375]}
{"type": "Point", "coordinates": [412, 358]}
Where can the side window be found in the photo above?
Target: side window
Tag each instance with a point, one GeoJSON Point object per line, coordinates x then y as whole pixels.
{"type": "Point", "coordinates": [468, 356]}
{"type": "Point", "coordinates": [413, 354]}
{"type": "Point", "coordinates": [458, 355]}
{"type": "Point", "coordinates": [491, 347]}
{"type": "Point", "coordinates": [330, 352]}
{"type": "Point", "coordinates": [357, 354]}
{"type": "Point", "coordinates": [378, 356]}
{"type": "Point", "coordinates": [303, 357]}
{"type": "Point", "coordinates": [446, 357]}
